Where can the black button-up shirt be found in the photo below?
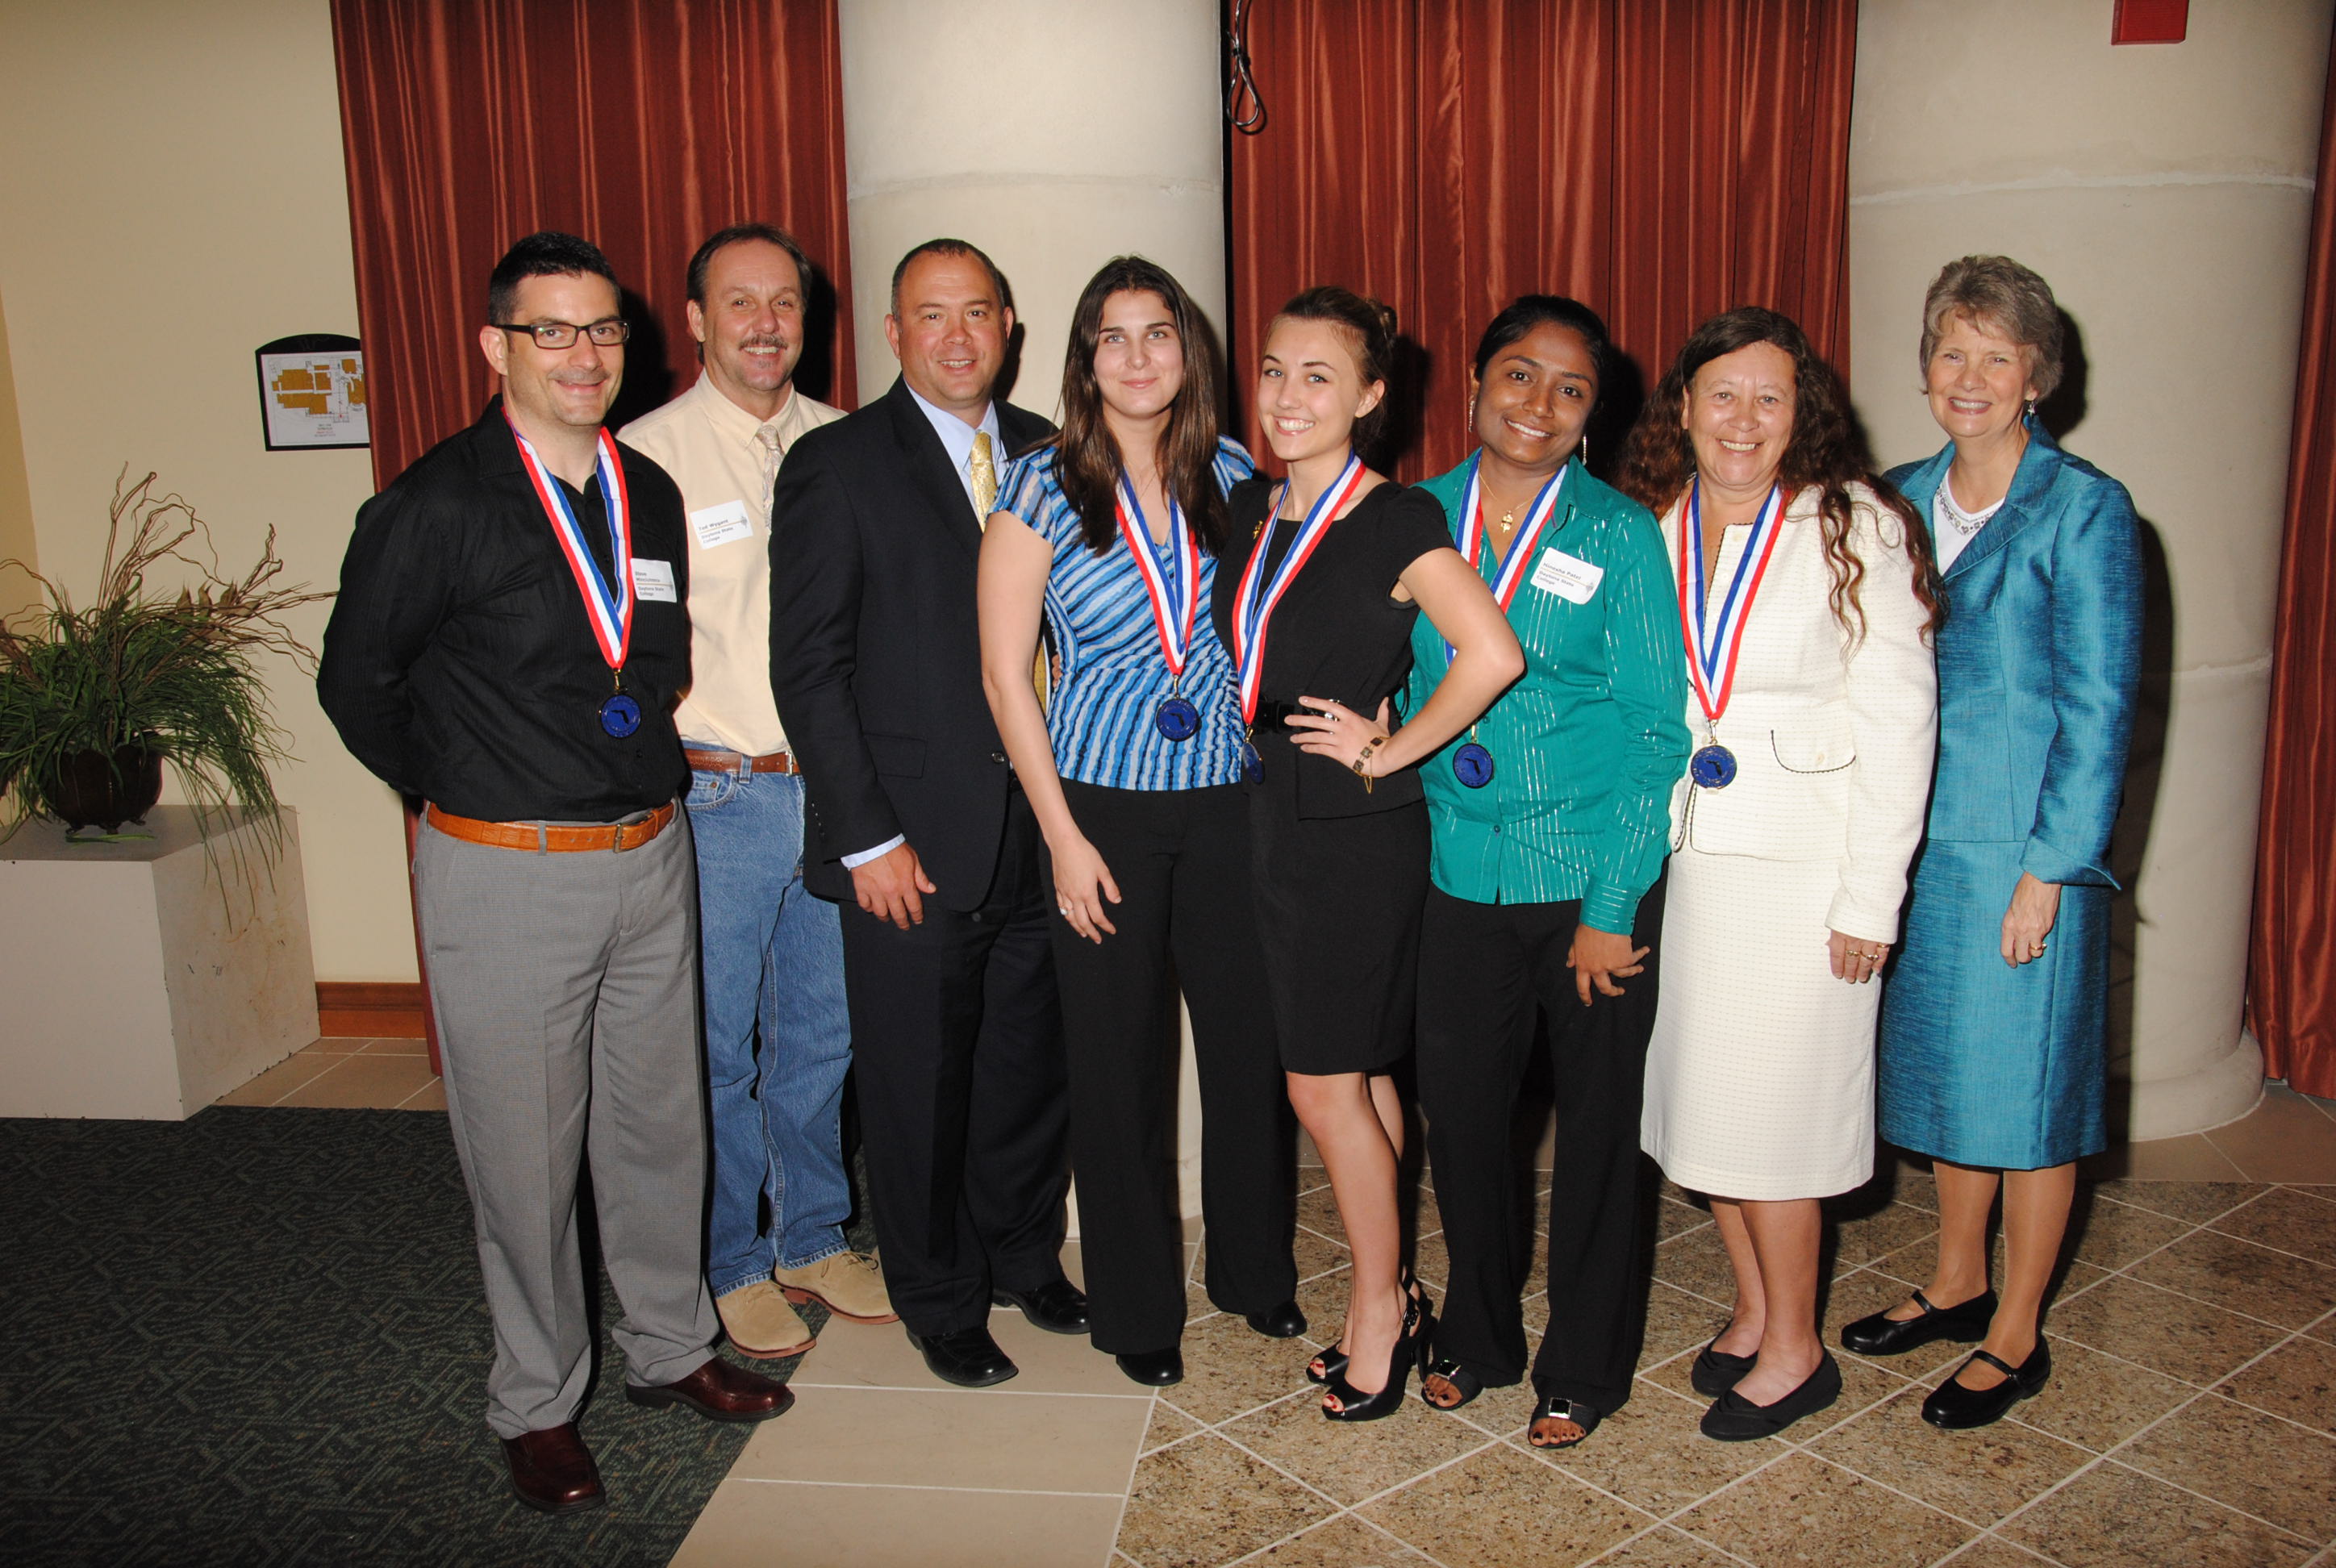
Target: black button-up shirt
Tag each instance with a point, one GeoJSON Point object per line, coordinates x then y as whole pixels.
{"type": "Point", "coordinates": [460, 664]}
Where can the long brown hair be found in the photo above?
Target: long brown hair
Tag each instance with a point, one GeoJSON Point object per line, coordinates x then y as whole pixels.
{"type": "Point", "coordinates": [1087, 462]}
{"type": "Point", "coordinates": [1827, 449]}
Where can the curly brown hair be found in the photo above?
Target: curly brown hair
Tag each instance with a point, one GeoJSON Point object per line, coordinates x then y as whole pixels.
{"type": "Point", "coordinates": [1827, 449]}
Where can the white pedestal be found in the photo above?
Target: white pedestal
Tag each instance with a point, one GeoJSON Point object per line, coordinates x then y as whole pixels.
{"type": "Point", "coordinates": [141, 982]}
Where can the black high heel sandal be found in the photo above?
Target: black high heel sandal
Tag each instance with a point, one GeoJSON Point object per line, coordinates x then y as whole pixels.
{"type": "Point", "coordinates": [1332, 1362]}
{"type": "Point", "coordinates": [1354, 1405]}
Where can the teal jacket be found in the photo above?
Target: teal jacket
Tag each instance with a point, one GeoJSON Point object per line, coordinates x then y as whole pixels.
{"type": "Point", "coordinates": [1588, 743]}
{"type": "Point", "coordinates": [2038, 664]}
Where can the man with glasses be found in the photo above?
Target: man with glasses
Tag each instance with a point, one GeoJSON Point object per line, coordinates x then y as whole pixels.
{"type": "Point", "coordinates": [507, 643]}
{"type": "Point", "coordinates": [778, 1042]}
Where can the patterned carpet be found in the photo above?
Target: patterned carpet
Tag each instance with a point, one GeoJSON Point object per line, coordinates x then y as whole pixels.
{"type": "Point", "coordinates": [258, 1338]}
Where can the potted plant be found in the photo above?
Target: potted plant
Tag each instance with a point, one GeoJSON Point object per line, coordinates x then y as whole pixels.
{"type": "Point", "coordinates": [94, 699]}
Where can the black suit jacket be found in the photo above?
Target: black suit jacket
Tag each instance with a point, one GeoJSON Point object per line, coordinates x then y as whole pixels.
{"type": "Point", "coordinates": [875, 653]}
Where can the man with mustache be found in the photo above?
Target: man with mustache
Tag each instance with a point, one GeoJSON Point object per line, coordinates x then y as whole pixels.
{"type": "Point", "coordinates": [918, 827]}
{"type": "Point", "coordinates": [778, 1041]}
{"type": "Point", "coordinates": [507, 643]}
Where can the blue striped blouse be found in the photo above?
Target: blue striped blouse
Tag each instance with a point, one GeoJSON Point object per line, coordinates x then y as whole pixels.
{"type": "Point", "coordinates": [1113, 675]}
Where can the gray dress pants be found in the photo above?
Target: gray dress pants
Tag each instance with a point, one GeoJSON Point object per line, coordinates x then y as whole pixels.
{"type": "Point", "coordinates": [564, 990]}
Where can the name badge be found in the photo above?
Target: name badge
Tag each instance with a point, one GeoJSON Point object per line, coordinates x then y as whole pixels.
{"type": "Point", "coordinates": [722, 524]}
{"type": "Point", "coordinates": [1567, 576]}
{"type": "Point", "coordinates": [653, 579]}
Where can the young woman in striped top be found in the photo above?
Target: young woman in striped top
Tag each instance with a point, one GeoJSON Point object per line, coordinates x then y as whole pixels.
{"type": "Point", "coordinates": [1112, 531]}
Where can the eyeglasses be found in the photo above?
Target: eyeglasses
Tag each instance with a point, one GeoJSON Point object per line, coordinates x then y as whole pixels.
{"type": "Point", "coordinates": [606, 333]}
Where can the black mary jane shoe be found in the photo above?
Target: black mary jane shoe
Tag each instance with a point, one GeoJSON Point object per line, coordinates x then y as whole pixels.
{"type": "Point", "coordinates": [1557, 1407]}
{"type": "Point", "coordinates": [1466, 1384]}
{"type": "Point", "coordinates": [1354, 1405]}
{"type": "Point", "coordinates": [1882, 1335]}
{"type": "Point", "coordinates": [1286, 1321]}
{"type": "Point", "coordinates": [1715, 1371]}
{"type": "Point", "coordinates": [1733, 1418]}
{"type": "Point", "coordinates": [1155, 1368]}
{"type": "Point", "coordinates": [1958, 1408]}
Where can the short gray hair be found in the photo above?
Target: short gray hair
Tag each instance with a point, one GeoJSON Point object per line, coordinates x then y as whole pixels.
{"type": "Point", "coordinates": [2001, 296]}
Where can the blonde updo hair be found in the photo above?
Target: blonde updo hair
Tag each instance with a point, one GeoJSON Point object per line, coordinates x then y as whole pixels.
{"type": "Point", "coordinates": [1998, 295]}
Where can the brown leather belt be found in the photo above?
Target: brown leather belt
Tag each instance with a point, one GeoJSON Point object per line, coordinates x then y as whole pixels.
{"type": "Point", "coordinates": [728, 761]}
{"type": "Point", "coordinates": [555, 838]}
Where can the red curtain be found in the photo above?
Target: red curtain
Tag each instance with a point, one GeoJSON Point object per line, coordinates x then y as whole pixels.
{"type": "Point", "coordinates": [2292, 988]}
{"type": "Point", "coordinates": [1660, 159]}
{"type": "Point", "coordinates": [643, 125]}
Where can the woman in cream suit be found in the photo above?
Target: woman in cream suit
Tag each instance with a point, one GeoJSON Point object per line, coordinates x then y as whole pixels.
{"type": "Point", "coordinates": [1806, 596]}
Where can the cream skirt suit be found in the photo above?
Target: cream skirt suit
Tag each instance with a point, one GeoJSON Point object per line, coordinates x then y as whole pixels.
{"type": "Point", "coordinates": [1760, 1074]}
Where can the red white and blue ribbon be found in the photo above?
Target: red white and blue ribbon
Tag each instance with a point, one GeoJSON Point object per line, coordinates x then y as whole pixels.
{"type": "Point", "coordinates": [610, 610]}
{"type": "Point", "coordinates": [1521, 549]}
{"type": "Point", "coordinates": [1175, 597]}
{"type": "Point", "coordinates": [1711, 659]}
{"type": "Point", "coordinates": [1253, 607]}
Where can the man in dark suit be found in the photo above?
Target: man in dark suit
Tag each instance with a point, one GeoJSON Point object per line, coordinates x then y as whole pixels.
{"type": "Point", "coordinates": [918, 827]}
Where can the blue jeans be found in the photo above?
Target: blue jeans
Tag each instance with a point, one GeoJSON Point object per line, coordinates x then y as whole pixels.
{"type": "Point", "coordinates": [778, 1039]}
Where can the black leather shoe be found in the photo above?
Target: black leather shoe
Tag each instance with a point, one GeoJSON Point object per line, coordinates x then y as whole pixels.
{"type": "Point", "coordinates": [968, 1358]}
{"type": "Point", "coordinates": [1057, 1305]}
{"type": "Point", "coordinates": [1282, 1322]}
{"type": "Point", "coordinates": [1733, 1418]}
{"type": "Point", "coordinates": [1956, 1408]}
{"type": "Point", "coordinates": [1881, 1335]}
{"type": "Point", "coordinates": [1715, 1371]}
{"type": "Point", "coordinates": [1153, 1368]}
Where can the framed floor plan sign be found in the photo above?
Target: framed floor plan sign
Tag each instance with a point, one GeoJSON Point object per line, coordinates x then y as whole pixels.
{"type": "Point", "coordinates": [312, 392]}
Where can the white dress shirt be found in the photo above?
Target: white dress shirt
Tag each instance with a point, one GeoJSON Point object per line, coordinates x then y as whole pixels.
{"type": "Point", "coordinates": [957, 435]}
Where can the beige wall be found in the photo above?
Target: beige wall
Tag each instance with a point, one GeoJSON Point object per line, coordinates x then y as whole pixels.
{"type": "Point", "coordinates": [2164, 191]}
{"type": "Point", "coordinates": [1105, 138]}
{"type": "Point", "coordinates": [17, 543]}
{"type": "Point", "coordinates": [171, 172]}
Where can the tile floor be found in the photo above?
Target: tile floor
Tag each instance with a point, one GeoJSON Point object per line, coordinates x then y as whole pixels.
{"type": "Point", "coordinates": [2191, 1418]}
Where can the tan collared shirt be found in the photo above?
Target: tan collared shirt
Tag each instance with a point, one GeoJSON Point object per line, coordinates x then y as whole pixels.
{"type": "Point", "coordinates": [717, 454]}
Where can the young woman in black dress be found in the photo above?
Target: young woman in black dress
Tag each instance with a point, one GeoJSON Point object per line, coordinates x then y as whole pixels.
{"type": "Point", "coordinates": [1318, 609]}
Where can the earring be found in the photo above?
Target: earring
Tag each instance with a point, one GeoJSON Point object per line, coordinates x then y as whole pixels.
{"type": "Point", "coordinates": [1582, 453]}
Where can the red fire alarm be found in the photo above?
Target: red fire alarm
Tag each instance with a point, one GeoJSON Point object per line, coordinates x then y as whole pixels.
{"type": "Point", "coordinates": [2150, 22]}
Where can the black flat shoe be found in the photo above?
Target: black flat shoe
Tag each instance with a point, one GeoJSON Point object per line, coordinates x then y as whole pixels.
{"type": "Point", "coordinates": [1957, 1409]}
{"type": "Point", "coordinates": [1882, 1335]}
{"type": "Point", "coordinates": [1354, 1405]}
{"type": "Point", "coordinates": [1715, 1371]}
{"type": "Point", "coordinates": [1733, 1418]}
{"type": "Point", "coordinates": [1057, 1305]}
{"type": "Point", "coordinates": [1555, 1407]}
{"type": "Point", "coordinates": [1466, 1384]}
{"type": "Point", "coordinates": [1153, 1368]}
{"type": "Point", "coordinates": [968, 1358]}
{"type": "Point", "coordinates": [1282, 1322]}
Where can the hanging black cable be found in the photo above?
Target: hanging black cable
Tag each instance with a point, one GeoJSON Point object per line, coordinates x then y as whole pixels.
{"type": "Point", "coordinates": [1243, 107]}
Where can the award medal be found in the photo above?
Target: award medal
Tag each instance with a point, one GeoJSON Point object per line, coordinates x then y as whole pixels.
{"type": "Point", "coordinates": [1712, 660]}
{"type": "Point", "coordinates": [1472, 764]}
{"type": "Point", "coordinates": [1175, 600]}
{"type": "Point", "coordinates": [610, 610]}
{"type": "Point", "coordinates": [1254, 603]}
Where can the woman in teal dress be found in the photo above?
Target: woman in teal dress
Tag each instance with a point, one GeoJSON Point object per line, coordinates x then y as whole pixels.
{"type": "Point", "coordinates": [1993, 1030]}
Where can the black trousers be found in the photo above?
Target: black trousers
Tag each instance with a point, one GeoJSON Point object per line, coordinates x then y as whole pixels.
{"type": "Point", "coordinates": [1181, 861]}
{"type": "Point", "coordinates": [956, 1047]}
{"type": "Point", "coordinates": [1484, 968]}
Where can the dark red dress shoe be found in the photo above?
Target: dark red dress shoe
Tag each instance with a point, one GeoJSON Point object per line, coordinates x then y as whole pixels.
{"type": "Point", "coordinates": [552, 1472]}
{"type": "Point", "coordinates": [720, 1392]}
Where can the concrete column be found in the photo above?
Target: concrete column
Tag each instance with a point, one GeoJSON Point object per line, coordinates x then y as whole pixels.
{"type": "Point", "coordinates": [2165, 193]}
{"type": "Point", "coordinates": [1054, 134]}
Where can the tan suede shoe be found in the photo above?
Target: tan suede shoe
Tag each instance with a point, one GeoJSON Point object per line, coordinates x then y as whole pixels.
{"type": "Point", "coordinates": [761, 1324]}
{"type": "Point", "coordinates": [849, 1284]}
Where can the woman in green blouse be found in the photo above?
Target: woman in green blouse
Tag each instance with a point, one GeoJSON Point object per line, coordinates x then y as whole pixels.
{"type": "Point", "coordinates": [1550, 819]}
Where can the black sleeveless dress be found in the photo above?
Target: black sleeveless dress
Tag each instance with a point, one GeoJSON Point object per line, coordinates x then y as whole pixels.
{"type": "Point", "coordinates": [1340, 872]}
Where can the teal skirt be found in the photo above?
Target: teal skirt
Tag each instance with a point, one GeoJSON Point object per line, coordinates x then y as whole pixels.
{"type": "Point", "coordinates": [1979, 1062]}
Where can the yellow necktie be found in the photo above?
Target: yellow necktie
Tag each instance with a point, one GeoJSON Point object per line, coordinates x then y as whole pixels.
{"type": "Point", "coordinates": [984, 477]}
